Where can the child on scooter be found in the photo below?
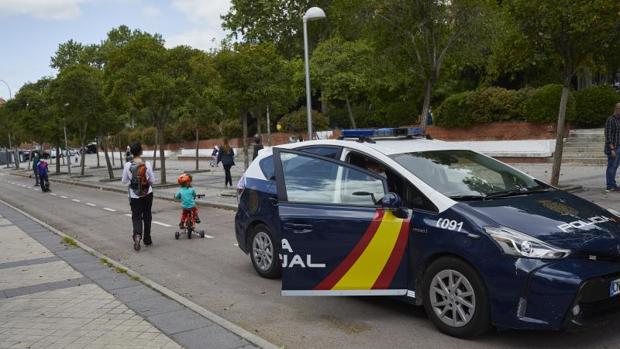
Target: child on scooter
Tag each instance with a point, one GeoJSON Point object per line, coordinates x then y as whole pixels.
{"type": "Point", "coordinates": [187, 195]}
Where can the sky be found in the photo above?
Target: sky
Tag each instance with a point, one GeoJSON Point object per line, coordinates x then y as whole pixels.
{"type": "Point", "coordinates": [31, 30]}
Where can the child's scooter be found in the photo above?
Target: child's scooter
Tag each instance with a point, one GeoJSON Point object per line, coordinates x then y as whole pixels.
{"type": "Point", "coordinates": [189, 225]}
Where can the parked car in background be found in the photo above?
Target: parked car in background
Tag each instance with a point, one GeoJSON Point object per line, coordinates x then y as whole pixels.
{"type": "Point", "coordinates": [91, 148]}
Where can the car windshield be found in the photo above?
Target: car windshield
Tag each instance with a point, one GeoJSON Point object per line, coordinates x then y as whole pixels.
{"type": "Point", "coordinates": [467, 175]}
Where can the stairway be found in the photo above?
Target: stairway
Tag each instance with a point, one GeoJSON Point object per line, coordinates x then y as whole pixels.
{"type": "Point", "coordinates": [585, 147]}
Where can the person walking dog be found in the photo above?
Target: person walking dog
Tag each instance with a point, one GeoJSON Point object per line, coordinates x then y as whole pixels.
{"type": "Point", "coordinates": [138, 175]}
{"type": "Point", "coordinates": [612, 148]}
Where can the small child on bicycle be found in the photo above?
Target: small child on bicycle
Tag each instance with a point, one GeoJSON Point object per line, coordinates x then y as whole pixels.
{"type": "Point", "coordinates": [187, 195]}
{"type": "Point", "coordinates": [43, 179]}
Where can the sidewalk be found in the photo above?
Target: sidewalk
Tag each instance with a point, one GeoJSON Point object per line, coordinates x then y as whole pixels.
{"type": "Point", "coordinates": [56, 295]}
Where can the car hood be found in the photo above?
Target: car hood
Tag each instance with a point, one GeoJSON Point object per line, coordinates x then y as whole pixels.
{"type": "Point", "coordinates": [558, 218]}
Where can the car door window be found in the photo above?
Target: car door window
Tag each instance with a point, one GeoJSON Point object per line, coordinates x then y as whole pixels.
{"type": "Point", "coordinates": [326, 151]}
{"type": "Point", "coordinates": [313, 180]}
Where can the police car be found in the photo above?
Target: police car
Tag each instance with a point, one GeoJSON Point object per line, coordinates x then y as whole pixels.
{"type": "Point", "coordinates": [390, 213]}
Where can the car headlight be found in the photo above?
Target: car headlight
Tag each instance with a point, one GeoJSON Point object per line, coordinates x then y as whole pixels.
{"type": "Point", "coordinates": [518, 244]}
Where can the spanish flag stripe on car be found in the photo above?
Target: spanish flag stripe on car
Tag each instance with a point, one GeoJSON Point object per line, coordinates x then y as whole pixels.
{"type": "Point", "coordinates": [374, 260]}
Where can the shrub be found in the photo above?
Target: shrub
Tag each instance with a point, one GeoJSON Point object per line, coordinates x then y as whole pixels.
{"type": "Point", "coordinates": [544, 103]}
{"type": "Point", "coordinates": [296, 122]}
{"type": "Point", "coordinates": [594, 105]}
{"type": "Point", "coordinates": [495, 104]}
{"type": "Point", "coordinates": [455, 111]}
{"type": "Point", "coordinates": [231, 128]}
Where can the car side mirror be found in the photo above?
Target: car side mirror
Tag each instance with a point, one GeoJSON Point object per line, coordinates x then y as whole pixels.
{"type": "Point", "coordinates": [394, 203]}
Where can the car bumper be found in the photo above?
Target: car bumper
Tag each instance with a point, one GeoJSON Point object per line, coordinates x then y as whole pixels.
{"type": "Point", "coordinates": [558, 295]}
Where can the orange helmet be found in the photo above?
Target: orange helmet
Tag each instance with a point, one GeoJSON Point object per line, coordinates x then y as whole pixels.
{"type": "Point", "coordinates": [184, 179]}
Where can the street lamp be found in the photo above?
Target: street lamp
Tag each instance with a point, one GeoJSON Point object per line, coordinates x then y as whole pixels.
{"type": "Point", "coordinates": [313, 13]}
{"type": "Point", "coordinates": [9, 87]}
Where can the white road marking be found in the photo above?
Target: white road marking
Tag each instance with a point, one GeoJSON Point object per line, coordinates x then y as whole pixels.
{"type": "Point", "coordinates": [208, 236]}
{"type": "Point", "coordinates": [109, 209]}
{"type": "Point", "coordinates": [236, 245]}
{"type": "Point", "coordinates": [162, 224]}
{"type": "Point", "coordinates": [128, 214]}
{"type": "Point", "coordinates": [91, 205]}
{"type": "Point", "coordinates": [75, 200]}
{"type": "Point", "coordinates": [54, 194]}
{"type": "Point", "coordinates": [62, 196]}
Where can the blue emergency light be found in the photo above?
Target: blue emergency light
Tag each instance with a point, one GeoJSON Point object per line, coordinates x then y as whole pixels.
{"type": "Point", "coordinates": [383, 132]}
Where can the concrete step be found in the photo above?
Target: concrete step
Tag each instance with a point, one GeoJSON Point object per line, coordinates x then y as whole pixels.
{"type": "Point", "coordinates": [587, 131]}
{"type": "Point", "coordinates": [594, 151]}
{"type": "Point", "coordinates": [599, 162]}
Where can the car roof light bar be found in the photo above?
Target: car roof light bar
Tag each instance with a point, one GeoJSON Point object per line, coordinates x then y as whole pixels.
{"type": "Point", "coordinates": [369, 133]}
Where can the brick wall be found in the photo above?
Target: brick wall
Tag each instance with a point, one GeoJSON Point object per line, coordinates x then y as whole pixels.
{"type": "Point", "coordinates": [496, 131]}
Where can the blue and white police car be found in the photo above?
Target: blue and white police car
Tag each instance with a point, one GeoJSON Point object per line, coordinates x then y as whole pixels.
{"type": "Point", "coordinates": [388, 213]}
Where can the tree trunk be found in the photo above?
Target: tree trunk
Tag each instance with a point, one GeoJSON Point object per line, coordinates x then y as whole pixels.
{"type": "Point", "coordinates": [16, 158]}
{"type": "Point", "coordinates": [258, 128]}
{"type": "Point", "coordinates": [559, 137]}
{"type": "Point", "coordinates": [97, 145]}
{"type": "Point", "coordinates": [113, 150]}
{"type": "Point", "coordinates": [324, 105]}
{"type": "Point", "coordinates": [82, 158]}
{"type": "Point", "coordinates": [197, 147]}
{"type": "Point", "coordinates": [428, 89]}
{"type": "Point", "coordinates": [351, 118]}
{"type": "Point", "coordinates": [160, 131]}
{"type": "Point", "coordinates": [155, 150]}
{"type": "Point", "coordinates": [246, 160]}
{"type": "Point", "coordinates": [57, 160]}
{"type": "Point", "coordinates": [107, 158]}
{"type": "Point", "coordinates": [268, 128]}
{"type": "Point", "coordinates": [120, 153]}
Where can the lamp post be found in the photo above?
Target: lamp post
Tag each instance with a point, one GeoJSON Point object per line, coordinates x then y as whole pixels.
{"type": "Point", "coordinates": [313, 13]}
{"type": "Point", "coordinates": [64, 126]}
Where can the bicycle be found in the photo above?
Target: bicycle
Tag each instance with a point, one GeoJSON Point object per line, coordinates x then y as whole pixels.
{"type": "Point", "coordinates": [189, 225]}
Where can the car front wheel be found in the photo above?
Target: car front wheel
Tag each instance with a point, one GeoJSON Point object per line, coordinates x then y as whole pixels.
{"type": "Point", "coordinates": [264, 253]}
{"type": "Point", "coordinates": [455, 298]}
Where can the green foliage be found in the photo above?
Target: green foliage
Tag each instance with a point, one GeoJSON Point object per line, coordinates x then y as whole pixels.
{"type": "Point", "coordinates": [594, 105]}
{"type": "Point", "coordinates": [231, 128]}
{"type": "Point", "coordinates": [542, 106]}
{"type": "Point", "coordinates": [456, 111]}
{"type": "Point", "coordinates": [297, 122]}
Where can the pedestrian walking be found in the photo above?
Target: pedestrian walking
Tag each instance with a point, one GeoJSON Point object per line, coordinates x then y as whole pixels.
{"type": "Point", "coordinates": [138, 175]}
{"type": "Point", "coordinates": [35, 167]}
{"type": "Point", "coordinates": [258, 145]}
{"type": "Point", "coordinates": [612, 148]}
{"type": "Point", "coordinates": [227, 157]}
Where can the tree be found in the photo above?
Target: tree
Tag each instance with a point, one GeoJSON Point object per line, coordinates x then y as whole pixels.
{"type": "Point", "coordinates": [143, 74]}
{"type": "Point", "coordinates": [253, 75]}
{"type": "Point", "coordinates": [78, 92]}
{"type": "Point", "coordinates": [418, 36]}
{"type": "Point", "coordinates": [573, 32]}
{"type": "Point", "coordinates": [274, 21]}
{"type": "Point", "coordinates": [341, 69]}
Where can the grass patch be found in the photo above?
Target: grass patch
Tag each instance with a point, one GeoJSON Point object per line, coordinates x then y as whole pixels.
{"type": "Point", "coordinates": [135, 277]}
{"type": "Point", "coordinates": [121, 270]}
{"type": "Point", "coordinates": [69, 241]}
{"type": "Point", "coordinates": [105, 262]}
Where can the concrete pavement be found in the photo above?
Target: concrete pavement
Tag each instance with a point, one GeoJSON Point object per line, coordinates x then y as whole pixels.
{"type": "Point", "coordinates": [56, 295]}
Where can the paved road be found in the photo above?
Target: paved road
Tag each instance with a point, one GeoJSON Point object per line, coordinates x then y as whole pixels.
{"type": "Point", "coordinates": [215, 274]}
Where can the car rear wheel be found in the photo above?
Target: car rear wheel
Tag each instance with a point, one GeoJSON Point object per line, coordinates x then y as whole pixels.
{"type": "Point", "coordinates": [264, 253]}
{"type": "Point", "coordinates": [455, 298]}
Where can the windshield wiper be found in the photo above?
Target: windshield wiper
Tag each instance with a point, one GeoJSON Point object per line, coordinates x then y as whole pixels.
{"type": "Point", "coordinates": [515, 192]}
{"type": "Point", "coordinates": [467, 197]}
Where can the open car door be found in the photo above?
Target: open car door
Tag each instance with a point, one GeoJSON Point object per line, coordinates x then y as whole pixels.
{"type": "Point", "coordinates": [337, 239]}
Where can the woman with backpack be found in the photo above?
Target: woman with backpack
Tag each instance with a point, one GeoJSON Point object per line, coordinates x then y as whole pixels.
{"type": "Point", "coordinates": [227, 157]}
{"type": "Point", "coordinates": [138, 174]}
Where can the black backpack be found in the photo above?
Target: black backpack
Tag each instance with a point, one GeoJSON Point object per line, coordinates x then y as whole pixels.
{"type": "Point", "coordinates": [139, 182]}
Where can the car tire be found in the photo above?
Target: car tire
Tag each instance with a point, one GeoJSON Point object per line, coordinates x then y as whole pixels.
{"type": "Point", "coordinates": [455, 298]}
{"type": "Point", "coordinates": [264, 253]}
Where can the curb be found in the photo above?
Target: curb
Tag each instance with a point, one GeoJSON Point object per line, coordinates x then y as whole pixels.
{"type": "Point", "coordinates": [239, 331]}
{"type": "Point", "coordinates": [118, 190]}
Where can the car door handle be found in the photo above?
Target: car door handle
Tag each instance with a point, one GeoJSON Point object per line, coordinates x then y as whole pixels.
{"type": "Point", "coordinates": [298, 228]}
{"type": "Point", "coordinates": [274, 201]}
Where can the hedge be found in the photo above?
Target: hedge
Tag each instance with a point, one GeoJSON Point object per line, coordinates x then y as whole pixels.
{"type": "Point", "coordinates": [297, 122]}
{"type": "Point", "coordinates": [543, 105]}
{"type": "Point", "coordinates": [594, 105]}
